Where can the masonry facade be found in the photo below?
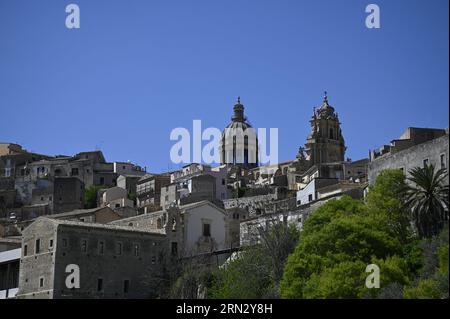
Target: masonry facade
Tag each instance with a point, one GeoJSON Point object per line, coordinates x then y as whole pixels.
{"type": "Point", "coordinates": [114, 261]}
{"type": "Point", "coordinates": [415, 148]}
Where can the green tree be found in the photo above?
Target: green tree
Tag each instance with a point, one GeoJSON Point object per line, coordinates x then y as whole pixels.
{"type": "Point", "coordinates": [90, 196]}
{"type": "Point", "coordinates": [342, 237]}
{"type": "Point", "coordinates": [384, 199]}
{"type": "Point", "coordinates": [427, 199]}
{"type": "Point", "coordinates": [247, 275]}
{"type": "Point", "coordinates": [432, 281]}
{"type": "Point", "coordinates": [256, 271]}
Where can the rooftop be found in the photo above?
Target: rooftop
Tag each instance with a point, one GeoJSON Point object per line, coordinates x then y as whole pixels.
{"type": "Point", "coordinates": [58, 222]}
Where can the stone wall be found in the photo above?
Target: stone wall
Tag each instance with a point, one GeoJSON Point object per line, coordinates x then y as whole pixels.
{"type": "Point", "coordinates": [412, 157]}
{"type": "Point", "coordinates": [109, 258]}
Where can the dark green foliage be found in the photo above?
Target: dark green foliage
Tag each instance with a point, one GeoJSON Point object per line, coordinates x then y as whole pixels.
{"type": "Point", "coordinates": [426, 198]}
{"type": "Point", "coordinates": [255, 272]}
{"type": "Point", "coordinates": [90, 196]}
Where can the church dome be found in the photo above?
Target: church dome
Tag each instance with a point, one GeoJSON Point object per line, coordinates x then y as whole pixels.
{"type": "Point", "coordinates": [234, 148]}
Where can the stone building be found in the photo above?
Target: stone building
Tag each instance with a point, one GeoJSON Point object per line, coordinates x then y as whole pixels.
{"type": "Point", "coordinates": [148, 191]}
{"type": "Point", "coordinates": [194, 169]}
{"type": "Point", "coordinates": [68, 194]}
{"type": "Point", "coordinates": [415, 148]}
{"type": "Point", "coordinates": [191, 229]}
{"type": "Point", "coordinates": [13, 157]}
{"type": "Point", "coordinates": [127, 168]}
{"type": "Point", "coordinates": [115, 197]}
{"type": "Point", "coordinates": [114, 261]}
{"type": "Point", "coordinates": [189, 190]}
{"type": "Point", "coordinates": [128, 182]}
{"type": "Point", "coordinates": [196, 182]}
{"type": "Point", "coordinates": [239, 143]}
{"type": "Point", "coordinates": [98, 215]}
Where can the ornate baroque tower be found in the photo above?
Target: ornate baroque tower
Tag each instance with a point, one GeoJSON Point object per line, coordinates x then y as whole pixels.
{"type": "Point", "coordinates": [325, 144]}
{"type": "Point", "coordinates": [239, 143]}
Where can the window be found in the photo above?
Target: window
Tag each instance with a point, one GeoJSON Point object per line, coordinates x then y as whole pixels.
{"type": "Point", "coordinates": [425, 162]}
{"type": "Point", "coordinates": [153, 260]}
{"type": "Point", "coordinates": [174, 248]}
{"type": "Point", "coordinates": [101, 247]}
{"type": "Point", "coordinates": [223, 181]}
{"type": "Point", "coordinates": [41, 282]}
{"type": "Point", "coordinates": [118, 248]}
{"type": "Point", "coordinates": [25, 250]}
{"type": "Point", "coordinates": [74, 171]}
{"type": "Point", "coordinates": [51, 243]}
{"type": "Point", "coordinates": [137, 249]}
{"type": "Point", "coordinates": [99, 284]}
{"type": "Point", "coordinates": [102, 180]}
{"type": "Point", "coordinates": [442, 158]}
{"type": "Point", "coordinates": [206, 230]}
{"type": "Point", "coordinates": [310, 198]}
{"type": "Point", "coordinates": [64, 242]}
{"type": "Point", "coordinates": [38, 246]}
{"type": "Point", "coordinates": [159, 223]}
{"type": "Point", "coordinates": [126, 285]}
{"type": "Point", "coordinates": [123, 167]}
{"type": "Point", "coordinates": [42, 198]}
{"type": "Point", "coordinates": [83, 245]}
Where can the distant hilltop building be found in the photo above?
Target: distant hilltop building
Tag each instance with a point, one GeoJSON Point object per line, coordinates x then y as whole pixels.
{"type": "Point", "coordinates": [239, 143]}
{"type": "Point", "coordinates": [416, 147]}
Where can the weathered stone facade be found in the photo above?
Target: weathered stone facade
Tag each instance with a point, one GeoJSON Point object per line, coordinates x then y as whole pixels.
{"type": "Point", "coordinates": [434, 151]}
{"type": "Point", "coordinates": [114, 261]}
{"type": "Point", "coordinates": [191, 229]}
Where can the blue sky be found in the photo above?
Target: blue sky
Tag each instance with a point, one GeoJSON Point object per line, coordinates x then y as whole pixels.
{"type": "Point", "coordinates": [137, 69]}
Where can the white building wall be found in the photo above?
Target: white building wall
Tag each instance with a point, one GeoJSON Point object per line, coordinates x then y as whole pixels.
{"type": "Point", "coordinates": [303, 194]}
{"type": "Point", "coordinates": [194, 219]}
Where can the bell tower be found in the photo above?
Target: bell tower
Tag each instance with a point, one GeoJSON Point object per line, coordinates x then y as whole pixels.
{"type": "Point", "coordinates": [325, 143]}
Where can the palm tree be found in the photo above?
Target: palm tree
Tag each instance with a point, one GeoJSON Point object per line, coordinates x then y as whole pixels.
{"type": "Point", "coordinates": [427, 199]}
